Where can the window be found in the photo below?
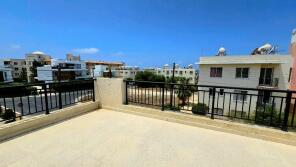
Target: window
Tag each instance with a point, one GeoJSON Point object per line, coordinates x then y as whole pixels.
{"type": "Point", "coordinates": [16, 69]}
{"type": "Point", "coordinates": [242, 73]}
{"type": "Point", "coordinates": [240, 95]}
{"type": "Point", "coordinates": [191, 72]}
{"type": "Point", "coordinates": [181, 72]}
{"type": "Point", "coordinates": [216, 72]}
{"type": "Point", "coordinates": [15, 63]}
{"type": "Point", "coordinates": [168, 73]}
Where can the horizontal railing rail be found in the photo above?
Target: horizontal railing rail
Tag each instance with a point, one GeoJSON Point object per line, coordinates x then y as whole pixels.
{"type": "Point", "coordinates": [268, 107]}
{"type": "Point", "coordinates": [24, 100]}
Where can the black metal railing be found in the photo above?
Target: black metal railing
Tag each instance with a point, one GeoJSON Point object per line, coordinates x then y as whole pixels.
{"type": "Point", "coordinates": [19, 101]}
{"type": "Point", "coordinates": [275, 108]}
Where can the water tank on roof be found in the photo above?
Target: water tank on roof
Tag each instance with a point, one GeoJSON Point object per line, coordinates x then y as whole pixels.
{"type": "Point", "coordinates": [221, 52]}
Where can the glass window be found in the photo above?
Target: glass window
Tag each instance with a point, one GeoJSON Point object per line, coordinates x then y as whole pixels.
{"type": "Point", "coordinates": [242, 73]}
{"type": "Point", "coordinates": [216, 72]}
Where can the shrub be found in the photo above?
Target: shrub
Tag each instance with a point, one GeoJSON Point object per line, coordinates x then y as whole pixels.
{"type": "Point", "coordinates": [173, 108]}
{"type": "Point", "coordinates": [200, 109]}
{"type": "Point", "coordinates": [8, 114]}
{"type": "Point", "coordinates": [267, 117]}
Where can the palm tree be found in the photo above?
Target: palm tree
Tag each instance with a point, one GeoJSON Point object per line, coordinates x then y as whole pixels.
{"type": "Point", "coordinates": [183, 90]}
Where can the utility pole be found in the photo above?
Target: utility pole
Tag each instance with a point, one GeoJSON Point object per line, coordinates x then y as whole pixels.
{"type": "Point", "coordinates": [172, 86]}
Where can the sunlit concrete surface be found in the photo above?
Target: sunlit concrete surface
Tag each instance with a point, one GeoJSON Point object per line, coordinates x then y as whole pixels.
{"type": "Point", "coordinates": [109, 138]}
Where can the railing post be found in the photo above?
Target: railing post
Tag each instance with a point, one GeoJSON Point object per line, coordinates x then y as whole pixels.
{"type": "Point", "coordinates": [126, 93]}
{"type": "Point", "coordinates": [46, 99]}
{"type": "Point", "coordinates": [287, 110]}
{"type": "Point", "coordinates": [93, 89]}
{"type": "Point", "coordinates": [213, 102]}
{"type": "Point", "coordinates": [59, 88]}
{"type": "Point", "coordinates": [162, 97]}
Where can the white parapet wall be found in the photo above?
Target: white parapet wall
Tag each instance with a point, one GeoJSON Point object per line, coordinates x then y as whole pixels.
{"type": "Point", "coordinates": [110, 91]}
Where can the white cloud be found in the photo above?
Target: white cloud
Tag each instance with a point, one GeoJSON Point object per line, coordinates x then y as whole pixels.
{"type": "Point", "coordinates": [86, 50]}
{"type": "Point", "coordinates": [15, 46]}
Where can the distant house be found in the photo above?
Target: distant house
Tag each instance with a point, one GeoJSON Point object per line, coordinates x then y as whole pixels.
{"type": "Point", "coordinates": [188, 72]}
{"type": "Point", "coordinates": [5, 73]}
{"type": "Point", "coordinates": [70, 70]}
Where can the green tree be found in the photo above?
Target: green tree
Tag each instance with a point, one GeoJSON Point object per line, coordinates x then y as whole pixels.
{"type": "Point", "coordinates": [183, 91]}
{"type": "Point", "coordinates": [23, 75]}
{"type": "Point", "coordinates": [149, 76]}
{"type": "Point", "coordinates": [33, 69]}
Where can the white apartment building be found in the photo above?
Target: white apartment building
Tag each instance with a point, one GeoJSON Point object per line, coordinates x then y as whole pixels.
{"type": "Point", "coordinates": [5, 73]}
{"type": "Point", "coordinates": [121, 72]}
{"type": "Point", "coordinates": [70, 70]}
{"type": "Point", "coordinates": [37, 56]}
{"type": "Point", "coordinates": [17, 66]}
{"type": "Point", "coordinates": [249, 71]}
{"type": "Point", "coordinates": [167, 71]}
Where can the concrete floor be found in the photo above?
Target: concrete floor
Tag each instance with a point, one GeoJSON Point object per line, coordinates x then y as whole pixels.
{"type": "Point", "coordinates": [108, 138]}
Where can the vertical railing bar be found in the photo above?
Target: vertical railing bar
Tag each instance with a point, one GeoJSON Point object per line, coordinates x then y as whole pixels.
{"type": "Point", "coordinates": [223, 103]}
{"type": "Point", "coordinates": [272, 110]}
{"type": "Point", "coordinates": [13, 106]}
{"type": "Point", "coordinates": [41, 99]}
{"type": "Point", "coordinates": [293, 115]}
{"type": "Point", "coordinates": [22, 106]}
{"type": "Point", "coordinates": [235, 108]}
{"type": "Point", "coordinates": [250, 107]}
{"type": "Point", "coordinates": [29, 106]}
{"type": "Point", "coordinates": [229, 107]}
{"type": "Point", "coordinates": [35, 102]}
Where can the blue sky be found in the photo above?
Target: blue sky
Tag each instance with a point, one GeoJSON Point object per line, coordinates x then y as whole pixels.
{"type": "Point", "coordinates": [143, 32]}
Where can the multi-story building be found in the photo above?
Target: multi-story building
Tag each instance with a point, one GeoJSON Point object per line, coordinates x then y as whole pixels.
{"type": "Point", "coordinates": [263, 69]}
{"type": "Point", "coordinates": [71, 57]}
{"type": "Point", "coordinates": [38, 56]}
{"type": "Point", "coordinates": [70, 70]}
{"type": "Point", "coordinates": [5, 73]}
{"type": "Point", "coordinates": [18, 66]}
{"type": "Point", "coordinates": [126, 72]}
{"type": "Point", "coordinates": [102, 66]}
{"type": "Point", "coordinates": [188, 72]}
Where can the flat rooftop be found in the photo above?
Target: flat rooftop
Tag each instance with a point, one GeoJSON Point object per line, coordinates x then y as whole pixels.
{"type": "Point", "coordinates": [246, 59]}
{"type": "Point", "coordinates": [110, 138]}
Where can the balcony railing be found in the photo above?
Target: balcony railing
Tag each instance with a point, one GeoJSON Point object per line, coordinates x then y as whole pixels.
{"type": "Point", "coordinates": [19, 101]}
{"type": "Point", "coordinates": [275, 108]}
{"type": "Point", "coordinates": [268, 82]}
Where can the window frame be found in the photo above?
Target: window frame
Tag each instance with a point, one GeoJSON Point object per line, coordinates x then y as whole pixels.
{"type": "Point", "coordinates": [241, 74]}
{"type": "Point", "coordinates": [214, 72]}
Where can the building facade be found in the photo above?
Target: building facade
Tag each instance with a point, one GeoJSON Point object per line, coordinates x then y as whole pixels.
{"type": "Point", "coordinates": [5, 73]}
{"type": "Point", "coordinates": [38, 56]}
{"type": "Point", "coordinates": [102, 66]}
{"type": "Point", "coordinates": [188, 72]}
{"type": "Point", "coordinates": [70, 70]}
{"type": "Point", "coordinates": [271, 72]}
{"type": "Point", "coordinates": [18, 66]}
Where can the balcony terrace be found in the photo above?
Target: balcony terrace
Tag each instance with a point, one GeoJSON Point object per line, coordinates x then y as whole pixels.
{"type": "Point", "coordinates": [104, 131]}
